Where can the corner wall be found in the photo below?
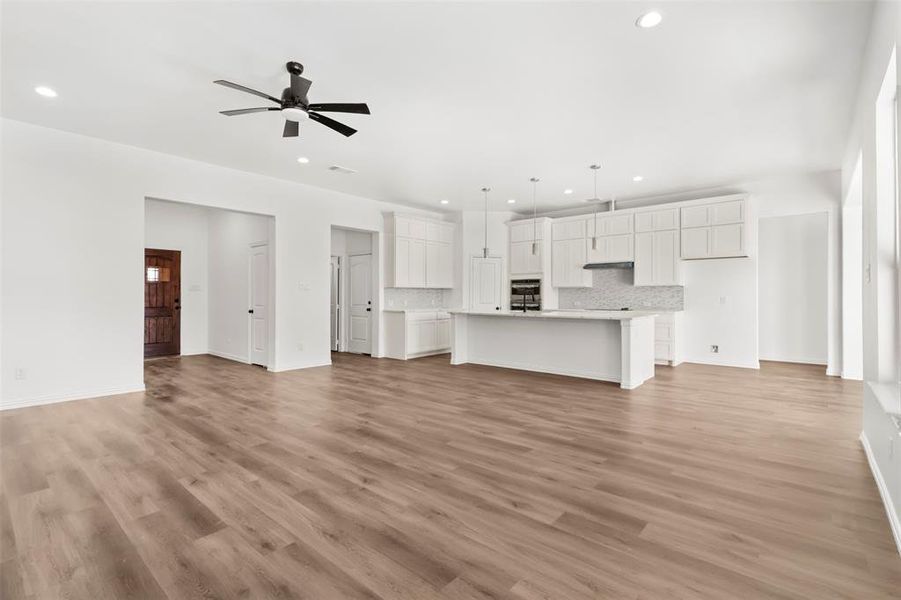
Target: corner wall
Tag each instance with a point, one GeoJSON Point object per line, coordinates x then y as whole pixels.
{"type": "Point", "coordinates": [72, 254]}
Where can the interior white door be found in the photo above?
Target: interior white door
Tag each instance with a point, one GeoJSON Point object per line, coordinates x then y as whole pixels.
{"type": "Point", "coordinates": [360, 295]}
{"type": "Point", "coordinates": [259, 304]}
{"type": "Point", "coordinates": [485, 283]}
{"type": "Point", "coordinates": [335, 306]}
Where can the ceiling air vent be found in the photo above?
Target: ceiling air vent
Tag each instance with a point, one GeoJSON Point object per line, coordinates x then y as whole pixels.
{"type": "Point", "coordinates": [340, 169]}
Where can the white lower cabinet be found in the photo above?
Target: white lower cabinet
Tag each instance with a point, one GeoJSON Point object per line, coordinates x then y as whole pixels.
{"type": "Point", "coordinates": [409, 334]}
{"type": "Point", "coordinates": [668, 339]}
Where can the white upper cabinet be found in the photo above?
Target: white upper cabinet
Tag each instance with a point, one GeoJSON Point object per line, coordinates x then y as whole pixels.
{"type": "Point", "coordinates": [569, 257]}
{"type": "Point", "coordinates": [657, 220]}
{"type": "Point", "coordinates": [522, 261]}
{"type": "Point", "coordinates": [419, 252]}
{"type": "Point", "coordinates": [657, 248]}
{"type": "Point", "coordinates": [526, 231]}
{"type": "Point", "coordinates": [571, 229]}
{"type": "Point", "coordinates": [714, 230]}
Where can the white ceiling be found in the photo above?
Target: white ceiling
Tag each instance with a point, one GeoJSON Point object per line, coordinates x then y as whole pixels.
{"type": "Point", "coordinates": [462, 94]}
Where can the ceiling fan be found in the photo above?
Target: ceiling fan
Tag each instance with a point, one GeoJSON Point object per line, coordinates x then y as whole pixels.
{"type": "Point", "coordinates": [295, 106]}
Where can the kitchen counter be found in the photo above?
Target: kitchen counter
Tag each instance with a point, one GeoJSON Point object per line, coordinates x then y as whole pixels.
{"type": "Point", "coordinates": [604, 315]}
{"type": "Point", "coordinates": [613, 346]}
{"type": "Point", "coordinates": [414, 310]}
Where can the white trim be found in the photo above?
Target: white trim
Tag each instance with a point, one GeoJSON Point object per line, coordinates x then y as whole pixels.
{"type": "Point", "coordinates": [67, 397]}
{"type": "Point", "coordinates": [722, 363]}
{"type": "Point", "coordinates": [893, 519]}
{"type": "Point", "coordinates": [311, 365]}
{"type": "Point", "coordinates": [227, 356]}
{"type": "Point", "coordinates": [800, 361]}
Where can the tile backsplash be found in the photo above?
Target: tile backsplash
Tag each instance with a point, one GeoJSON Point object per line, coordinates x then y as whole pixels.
{"type": "Point", "coordinates": [612, 288]}
{"type": "Point", "coordinates": [415, 298]}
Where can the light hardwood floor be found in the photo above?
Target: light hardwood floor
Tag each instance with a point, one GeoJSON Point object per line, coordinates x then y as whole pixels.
{"type": "Point", "coordinates": [417, 480]}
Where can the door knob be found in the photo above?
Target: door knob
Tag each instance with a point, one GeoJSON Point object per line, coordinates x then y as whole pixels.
{"type": "Point", "coordinates": [368, 309]}
{"type": "Point", "coordinates": [250, 311]}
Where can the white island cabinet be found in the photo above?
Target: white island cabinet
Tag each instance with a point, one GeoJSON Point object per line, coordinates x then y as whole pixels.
{"type": "Point", "coordinates": [416, 332]}
{"type": "Point", "coordinates": [609, 346]}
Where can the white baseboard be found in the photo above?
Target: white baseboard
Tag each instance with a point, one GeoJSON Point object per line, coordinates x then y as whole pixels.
{"type": "Point", "coordinates": [226, 355]}
{"type": "Point", "coordinates": [893, 517]}
{"type": "Point", "coordinates": [280, 369]}
{"type": "Point", "coordinates": [722, 363]}
{"type": "Point", "coordinates": [68, 397]}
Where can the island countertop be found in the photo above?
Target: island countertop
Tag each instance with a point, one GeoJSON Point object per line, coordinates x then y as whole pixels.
{"type": "Point", "coordinates": [594, 315]}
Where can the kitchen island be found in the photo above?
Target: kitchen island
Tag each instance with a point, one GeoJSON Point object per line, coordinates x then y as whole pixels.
{"type": "Point", "coordinates": [613, 346]}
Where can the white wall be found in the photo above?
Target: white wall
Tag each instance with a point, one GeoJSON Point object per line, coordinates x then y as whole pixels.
{"type": "Point", "coordinates": [183, 227]}
{"type": "Point", "coordinates": [881, 435]}
{"type": "Point", "coordinates": [230, 237]}
{"type": "Point", "coordinates": [83, 199]}
{"type": "Point", "coordinates": [792, 288]}
{"type": "Point", "coordinates": [852, 277]}
{"type": "Point", "coordinates": [721, 310]}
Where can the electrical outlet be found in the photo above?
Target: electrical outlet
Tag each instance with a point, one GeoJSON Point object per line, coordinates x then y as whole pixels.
{"type": "Point", "coordinates": [714, 349]}
{"type": "Point", "coordinates": [724, 299]}
{"type": "Point", "coordinates": [21, 374]}
{"type": "Point", "coordinates": [300, 345]}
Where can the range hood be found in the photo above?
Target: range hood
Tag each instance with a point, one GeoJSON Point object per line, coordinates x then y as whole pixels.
{"type": "Point", "coordinates": [609, 265]}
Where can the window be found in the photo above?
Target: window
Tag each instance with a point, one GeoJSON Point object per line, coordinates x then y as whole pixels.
{"type": "Point", "coordinates": [157, 274]}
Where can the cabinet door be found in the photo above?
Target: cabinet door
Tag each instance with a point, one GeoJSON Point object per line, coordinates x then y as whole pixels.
{"type": "Point", "coordinates": [695, 216]}
{"type": "Point", "coordinates": [727, 240]}
{"type": "Point", "coordinates": [619, 248]}
{"type": "Point", "coordinates": [428, 335]}
{"type": "Point", "coordinates": [402, 262]}
{"type": "Point", "coordinates": [725, 213]}
{"type": "Point", "coordinates": [560, 263]}
{"type": "Point", "coordinates": [446, 233]}
{"type": "Point", "coordinates": [644, 259]}
{"type": "Point", "coordinates": [644, 221]}
{"type": "Point", "coordinates": [666, 258]}
{"type": "Point", "coordinates": [417, 264]}
{"type": "Point", "coordinates": [446, 266]}
{"type": "Point", "coordinates": [596, 253]}
{"type": "Point", "coordinates": [432, 231]}
{"type": "Point", "coordinates": [696, 242]}
{"type": "Point", "coordinates": [443, 327]}
{"type": "Point", "coordinates": [570, 230]}
{"type": "Point", "coordinates": [666, 219]}
{"type": "Point", "coordinates": [414, 337]}
{"type": "Point", "coordinates": [518, 258]}
{"type": "Point", "coordinates": [619, 224]}
{"type": "Point", "coordinates": [433, 264]}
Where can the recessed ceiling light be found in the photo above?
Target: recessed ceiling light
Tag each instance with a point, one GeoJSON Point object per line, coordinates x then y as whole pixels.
{"type": "Point", "coordinates": [43, 90]}
{"type": "Point", "coordinates": [638, 178]}
{"type": "Point", "coordinates": [649, 19]}
{"type": "Point", "coordinates": [511, 201]}
{"type": "Point", "coordinates": [567, 191]}
{"type": "Point", "coordinates": [303, 160]}
{"type": "Point", "coordinates": [444, 201]}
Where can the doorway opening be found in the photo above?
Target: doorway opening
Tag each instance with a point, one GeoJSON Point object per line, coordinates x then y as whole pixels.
{"type": "Point", "coordinates": [162, 302]}
{"type": "Point", "coordinates": [354, 291]}
{"type": "Point", "coordinates": [220, 290]}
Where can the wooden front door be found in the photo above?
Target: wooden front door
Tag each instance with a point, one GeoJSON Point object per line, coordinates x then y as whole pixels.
{"type": "Point", "coordinates": [162, 306]}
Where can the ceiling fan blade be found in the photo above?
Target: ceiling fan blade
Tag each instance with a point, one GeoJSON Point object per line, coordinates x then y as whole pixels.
{"type": "Point", "coordinates": [291, 129]}
{"type": "Point", "coordinates": [361, 108]}
{"type": "Point", "coordinates": [333, 124]}
{"type": "Point", "coordinates": [299, 87]}
{"type": "Point", "coordinates": [246, 111]}
{"type": "Point", "coordinates": [241, 88]}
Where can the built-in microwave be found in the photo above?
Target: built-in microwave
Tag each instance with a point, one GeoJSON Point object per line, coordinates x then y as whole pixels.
{"type": "Point", "coordinates": [525, 294]}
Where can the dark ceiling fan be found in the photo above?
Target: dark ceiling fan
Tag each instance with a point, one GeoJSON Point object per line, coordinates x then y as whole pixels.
{"type": "Point", "coordinates": [295, 106]}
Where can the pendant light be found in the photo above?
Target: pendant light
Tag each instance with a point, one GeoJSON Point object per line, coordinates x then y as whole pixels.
{"type": "Point", "coordinates": [597, 201]}
{"type": "Point", "coordinates": [485, 191]}
{"type": "Point", "coordinates": [534, 181]}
